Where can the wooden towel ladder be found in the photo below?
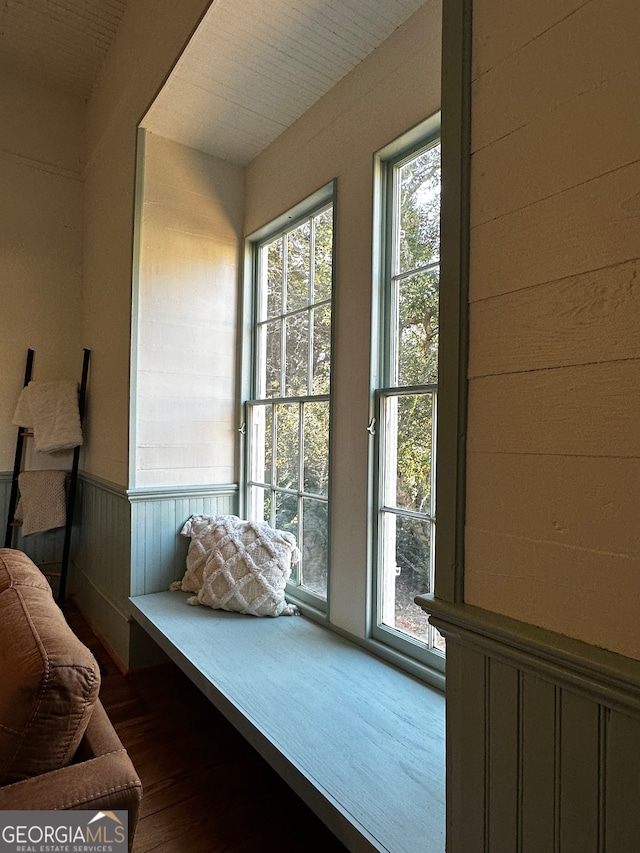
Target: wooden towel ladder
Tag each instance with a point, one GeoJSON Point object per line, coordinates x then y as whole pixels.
{"type": "Point", "coordinates": [72, 483]}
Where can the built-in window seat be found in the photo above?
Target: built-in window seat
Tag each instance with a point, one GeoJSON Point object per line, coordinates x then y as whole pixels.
{"type": "Point", "coordinates": [360, 741]}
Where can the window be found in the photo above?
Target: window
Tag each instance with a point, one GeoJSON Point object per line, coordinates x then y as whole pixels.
{"type": "Point", "coordinates": [288, 415]}
{"type": "Point", "coordinates": [409, 178]}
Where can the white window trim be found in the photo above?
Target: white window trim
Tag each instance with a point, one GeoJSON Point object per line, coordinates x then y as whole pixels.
{"type": "Point", "coordinates": [384, 160]}
{"type": "Point", "coordinates": [309, 602]}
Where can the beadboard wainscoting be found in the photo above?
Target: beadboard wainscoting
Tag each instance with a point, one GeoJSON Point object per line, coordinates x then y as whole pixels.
{"type": "Point", "coordinates": [543, 738]}
{"type": "Point", "coordinates": [158, 552]}
{"type": "Point", "coordinates": [127, 542]}
{"type": "Point", "coordinates": [102, 562]}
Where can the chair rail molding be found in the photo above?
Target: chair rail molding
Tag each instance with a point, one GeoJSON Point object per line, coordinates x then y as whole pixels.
{"type": "Point", "coordinates": [605, 676]}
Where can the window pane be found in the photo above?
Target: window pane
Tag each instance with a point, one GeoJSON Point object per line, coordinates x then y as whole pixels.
{"type": "Point", "coordinates": [321, 368]}
{"type": "Point", "coordinates": [407, 364]}
{"type": "Point", "coordinates": [288, 448]}
{"type": "Point", "coordinates": [316, 447]}
{"type": "Point", "coordinates": [261, 435]}
{"type": "Point", "coordinates": [274, 275]}
{"type": "Point", "coordinates": [408, 452]}
{"type": "Point", "coordinates": [315, 550]}
{"type": "Point", "coordinates": [417, 329]}
{"type": "Point", "coordinates": [287, 445]}
{"type": "Point", "coordinates": [286, 518]}
{"type": "Point", "coordinates": [406, 573]}
{"type": "Point", "coordinates": [298, 266]}
{"type": "Point", "coordinates": [323, 255]}
{"type": "Point", "coordinates": [438, 640]}
{"type": "Point", "coordinates": [297, 358]}
{"type": "Point", "coordinates": [419, 215]}
{"type": "Point", "coordinates": [271, 339]}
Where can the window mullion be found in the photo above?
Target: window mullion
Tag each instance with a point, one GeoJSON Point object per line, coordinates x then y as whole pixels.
{"type": "Point", "coordinates": [310, 311]}
{"type": "Point", "coordinates": [312, 264]}
{"type": "Point", "coordinates": [283, 321]}
{"type": "Point", "coordinates": [301, 458]}
{"type": "Point", "coordinates": [272, 478]}
{"type": "Point", "coordinates": [274, 465]}
{"type": "Point", "coordinates": [401, 276]}
{"type": "Point", "coordinates": [310, 338]}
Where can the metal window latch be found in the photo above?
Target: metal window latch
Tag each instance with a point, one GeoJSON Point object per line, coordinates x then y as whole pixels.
{"type": "Point", "coordinates": [371, 429]}
{"type": "Point", "coordinates": [243, 428]}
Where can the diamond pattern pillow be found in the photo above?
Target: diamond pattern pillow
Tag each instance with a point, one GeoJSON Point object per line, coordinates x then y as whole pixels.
{"type": "Point", "coordinates": [237, 565]}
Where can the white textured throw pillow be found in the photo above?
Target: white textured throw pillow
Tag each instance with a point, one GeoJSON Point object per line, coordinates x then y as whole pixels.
{"type": "Point", "coordinates": [238, 565]}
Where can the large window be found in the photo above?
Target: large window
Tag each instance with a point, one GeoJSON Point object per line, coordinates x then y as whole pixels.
{"type": "Point", "coordinates": [409, 177]}
{"type": "Point", "coordinates": [288, 417]}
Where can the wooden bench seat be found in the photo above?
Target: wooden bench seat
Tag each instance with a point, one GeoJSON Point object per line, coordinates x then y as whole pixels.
{"type": "Point", "coordinates": [361, 742]}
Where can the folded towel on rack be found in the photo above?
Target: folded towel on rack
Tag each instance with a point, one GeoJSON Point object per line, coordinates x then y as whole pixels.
{"type": "Point", "coordinates": [51, 410]}
{"type": "Point", "coordinates": [43, 503]}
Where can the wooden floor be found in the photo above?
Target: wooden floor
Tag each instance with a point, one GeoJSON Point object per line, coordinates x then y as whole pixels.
{"type": "Point", "coordinates": [206, 790]}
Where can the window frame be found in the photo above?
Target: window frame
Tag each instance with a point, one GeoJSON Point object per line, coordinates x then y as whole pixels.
{"type": "Point", "coordinates": [386, 162]}
{"type": "Point", "coordinates": [322, 199]}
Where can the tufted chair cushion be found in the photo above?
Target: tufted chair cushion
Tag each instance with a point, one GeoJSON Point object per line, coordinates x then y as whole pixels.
{"type": "Point", "coordinates": [49, 681]}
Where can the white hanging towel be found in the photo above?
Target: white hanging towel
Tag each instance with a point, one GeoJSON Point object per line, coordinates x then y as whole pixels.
{"type": "Point", "coordinates": [51, 410]}
{"type": "Point", "coordinates": [43, 502]}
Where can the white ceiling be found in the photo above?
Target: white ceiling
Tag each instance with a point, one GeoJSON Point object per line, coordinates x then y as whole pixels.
{"type": "Point", "coordinates": [254, 66]}
{"type": "Point", "coordinates": [60, 44]}
{"type": "Point", "coordinates": [251, 69]}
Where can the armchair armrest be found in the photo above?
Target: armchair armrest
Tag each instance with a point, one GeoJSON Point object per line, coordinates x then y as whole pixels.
{"type": "Point", "coordinates": [102, 779]}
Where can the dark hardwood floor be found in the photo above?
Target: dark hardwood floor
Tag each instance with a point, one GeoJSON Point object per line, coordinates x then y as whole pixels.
{"type": "Point", "coordinates": [206, 790]}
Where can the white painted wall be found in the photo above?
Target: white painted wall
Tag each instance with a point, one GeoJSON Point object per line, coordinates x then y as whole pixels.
{"type": "Point", "coordinates": [190, 246]}
{"type": "Point", "coordinates": [554, 429]}
{"type": "Point", "coordinates": [151, 36]}
{"type": "Point", "coordinates": [41, 211]}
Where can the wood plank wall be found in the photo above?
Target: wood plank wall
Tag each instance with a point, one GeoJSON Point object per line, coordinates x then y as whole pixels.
{"type": "Point", "coordinates": [543, 737]}
{"type": "Point", "coordinates": [553, 465]}
{"type": "Point", "coordinates": [185, 363]}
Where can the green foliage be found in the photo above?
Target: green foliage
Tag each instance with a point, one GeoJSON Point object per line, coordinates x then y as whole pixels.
{"type": "Point", "coordinates": [296, 321]}
{"type": "Point", "coordinates": [415, 314]}
{"type": "Point", "coordinates": [413, 552]}
{"type": "Point", "coordinates": [415, 298]}
{"type": "Point", "coordinates": [419, 210]}
{"type": "Point", "coordinates": [417, 329]}
{"type": "Point", "coordinates": [414, 452]}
